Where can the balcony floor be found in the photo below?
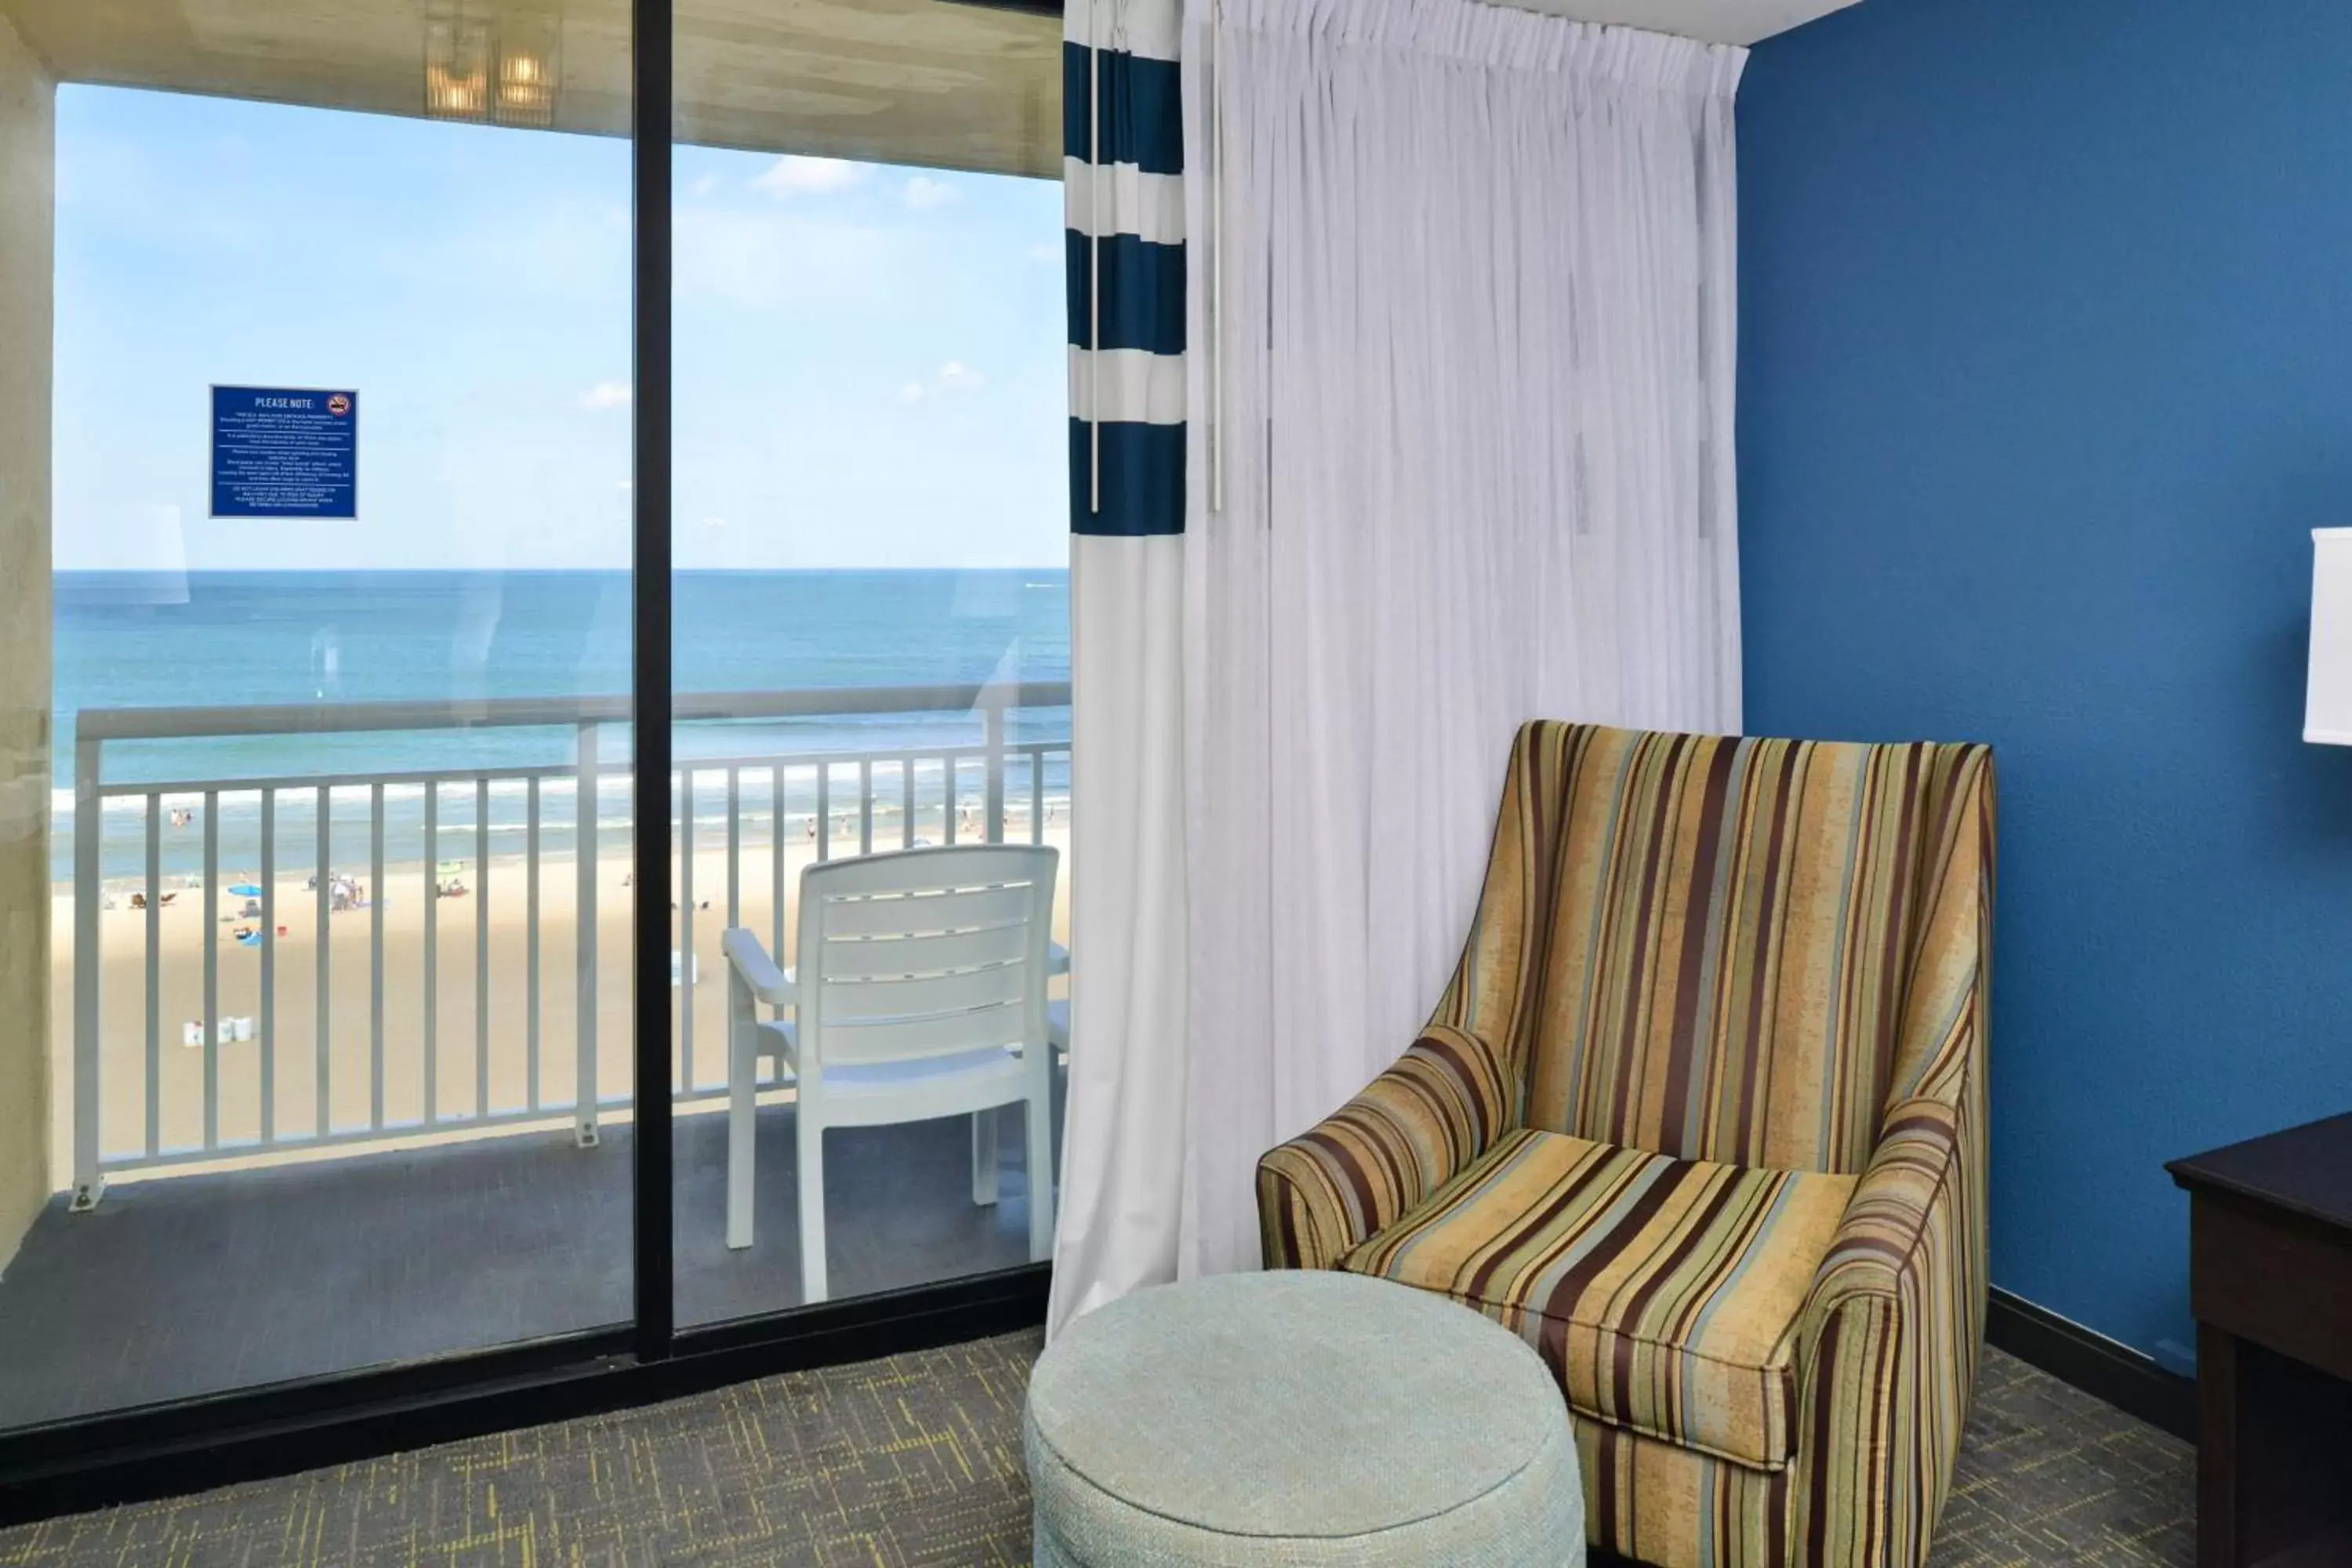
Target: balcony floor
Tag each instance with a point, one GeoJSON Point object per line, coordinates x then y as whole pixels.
{"type": "Point", "coordinates": [205, 1283]}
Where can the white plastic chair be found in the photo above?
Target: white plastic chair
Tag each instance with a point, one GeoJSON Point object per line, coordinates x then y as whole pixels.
{"type": "Point", "coordinates": [920, 992]}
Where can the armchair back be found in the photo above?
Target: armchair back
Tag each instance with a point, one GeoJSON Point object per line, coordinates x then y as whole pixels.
{"type": "Point", "coordinates": [1731, 949]}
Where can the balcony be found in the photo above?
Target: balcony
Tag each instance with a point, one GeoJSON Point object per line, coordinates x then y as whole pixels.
{"type": "Point", "coordinates": [347, 1078]}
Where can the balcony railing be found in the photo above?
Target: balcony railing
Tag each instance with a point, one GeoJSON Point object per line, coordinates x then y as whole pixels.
{"type": "Point", "coordinates": [886, 790]}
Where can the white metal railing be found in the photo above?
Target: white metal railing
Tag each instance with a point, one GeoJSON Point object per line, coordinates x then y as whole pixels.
{"type": "Point", "coordinates": [878, 775]}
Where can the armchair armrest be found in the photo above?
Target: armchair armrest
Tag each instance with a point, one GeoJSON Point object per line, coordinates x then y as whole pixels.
{"type": "Point", "coordinates": [1884, 1232]}
{"type": "Point", "coordinates": [1435, 1110]}
{"type": "Point", "coordinates": [1889, 1338]}
{"type": "Point", "coordinates": [755, 968]}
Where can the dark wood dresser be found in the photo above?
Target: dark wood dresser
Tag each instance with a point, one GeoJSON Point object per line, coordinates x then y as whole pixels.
{"type": "Point", "coordinates": [2269, 1281]}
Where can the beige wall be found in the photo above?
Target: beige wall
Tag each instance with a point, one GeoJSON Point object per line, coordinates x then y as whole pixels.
{"type": "Point", "coordinates": [28, 186]}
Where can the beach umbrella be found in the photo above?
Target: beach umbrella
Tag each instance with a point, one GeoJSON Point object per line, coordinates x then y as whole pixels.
{"type": "Point", "coordinates": [243, 890]}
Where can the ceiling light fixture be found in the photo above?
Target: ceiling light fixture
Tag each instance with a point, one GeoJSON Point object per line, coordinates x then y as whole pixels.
{"type": "Point", "coordinates": [498, 64]}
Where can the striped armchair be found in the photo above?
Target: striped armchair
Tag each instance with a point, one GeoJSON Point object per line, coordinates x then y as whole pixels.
{"type": "Point", "coordinates": [1702, 1116]}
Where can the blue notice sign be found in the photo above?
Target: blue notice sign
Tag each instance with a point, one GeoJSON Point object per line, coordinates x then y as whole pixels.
{"type": "Point", "coordinates": [284, 452]}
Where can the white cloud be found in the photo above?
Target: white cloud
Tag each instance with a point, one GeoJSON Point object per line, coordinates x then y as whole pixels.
{"type": "Point", "coordinates": [705, 185]}
{"type": "Point", "coordinates": [804, 255]}
{"type": "Point", "coordinates": [1046, 255]}
{"type": "Point", "coordinates": [951, 379]}
{"type": "Point", "coordinates": [794, 176]}
{"type": "Point", "coordinates": [714, 523]}
{"type": "Point", "coordinates": [924, 194]}
{"type": "Point", "coordinates": [606, 394]}
{"type": "Point", "coordinates": [571, 250]}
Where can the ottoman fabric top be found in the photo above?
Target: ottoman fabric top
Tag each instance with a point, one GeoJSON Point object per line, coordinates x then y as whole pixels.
{"type": "Point", "coordinates": [1299, 1404]}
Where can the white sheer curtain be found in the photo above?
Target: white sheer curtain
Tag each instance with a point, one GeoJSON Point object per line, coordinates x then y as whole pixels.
{"type": "Point", "coordinates": [1463, 456]}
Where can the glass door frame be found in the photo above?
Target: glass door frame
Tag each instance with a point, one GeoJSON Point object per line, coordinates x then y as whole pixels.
{"type": "Point", "coordinates": [84, 1462]}
{"type": "Point", "coordinates": [652, 160]}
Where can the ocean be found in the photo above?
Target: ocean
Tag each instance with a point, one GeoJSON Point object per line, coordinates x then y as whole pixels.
{"type": "Point", "coordinates": [229, 639]}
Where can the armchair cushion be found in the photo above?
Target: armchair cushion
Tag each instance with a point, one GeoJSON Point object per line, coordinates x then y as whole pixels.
{"type": "Point", "coordinates": [1664, 1294]}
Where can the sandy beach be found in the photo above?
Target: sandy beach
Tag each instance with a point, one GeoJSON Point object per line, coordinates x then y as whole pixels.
{"type": "Point", "coordinates": [459, 1064]}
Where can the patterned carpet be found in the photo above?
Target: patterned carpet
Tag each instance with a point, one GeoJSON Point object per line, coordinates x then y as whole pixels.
{"type": "Point", "coordinates": [2050, 1475]}
{"type": "Point", "coordinates": [915, 1462]}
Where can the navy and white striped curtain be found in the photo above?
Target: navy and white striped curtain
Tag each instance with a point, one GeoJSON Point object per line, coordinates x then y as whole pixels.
{"type": "Point", "coordinates": [1123, 171]}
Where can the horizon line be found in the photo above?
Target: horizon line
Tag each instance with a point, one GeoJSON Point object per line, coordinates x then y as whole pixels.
{"type": "Point", "coordinates": [420, 571]}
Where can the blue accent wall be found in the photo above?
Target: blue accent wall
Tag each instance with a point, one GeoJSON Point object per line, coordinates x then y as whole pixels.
{"type": "Point", "coordinates": [2045, 374]}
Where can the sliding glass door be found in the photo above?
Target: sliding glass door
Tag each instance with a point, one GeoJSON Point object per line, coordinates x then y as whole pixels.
{"type": "Point", "coordinates": [509, 565]}
{"type": "Point", "coordinates": [872, 648]}
{"type": "Point", "coordinates": [337, 1068]}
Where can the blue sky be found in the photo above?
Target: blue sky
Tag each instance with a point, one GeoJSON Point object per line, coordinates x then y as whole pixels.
{"type": "Point", "coordinates": [869, 359]}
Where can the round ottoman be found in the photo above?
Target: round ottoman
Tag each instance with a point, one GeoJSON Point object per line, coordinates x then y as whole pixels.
{"type": "Point", "coordinates": [1300, 1419]}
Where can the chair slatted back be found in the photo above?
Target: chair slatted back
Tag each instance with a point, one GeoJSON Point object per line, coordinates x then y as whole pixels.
{"type": "Point", "coordinates": [924, 953]}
